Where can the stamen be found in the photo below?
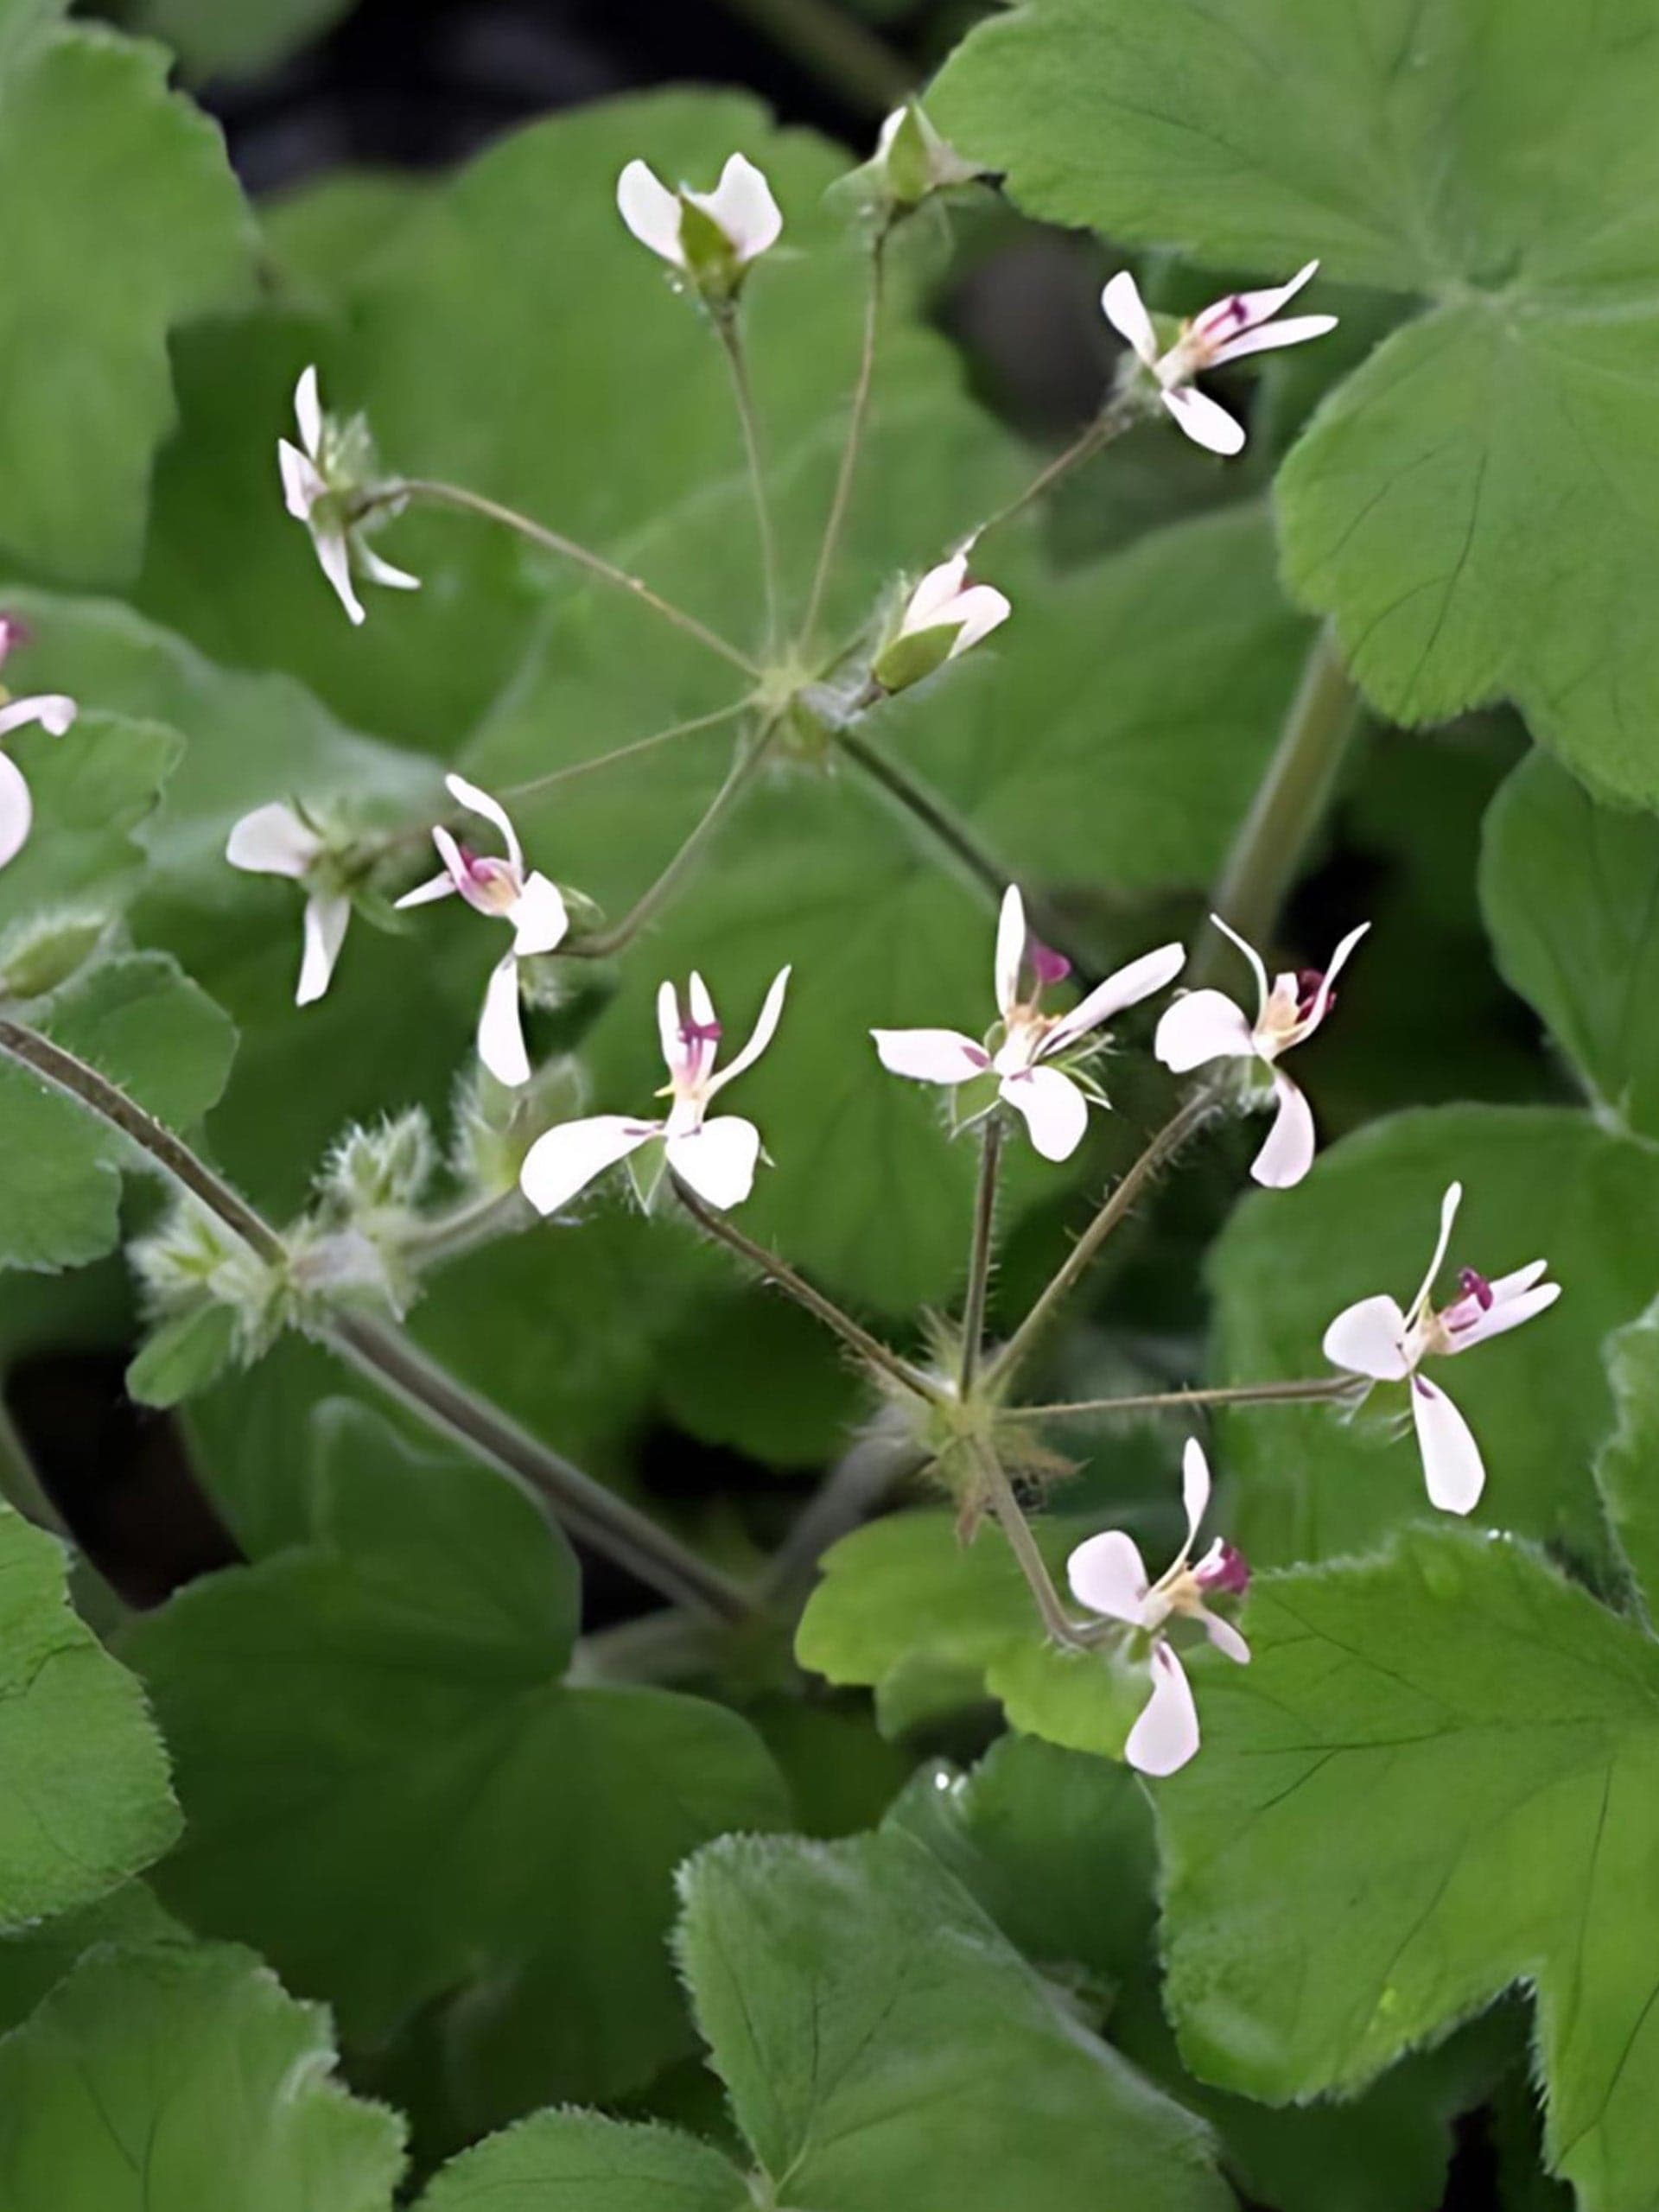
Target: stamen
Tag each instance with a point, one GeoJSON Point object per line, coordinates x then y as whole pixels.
{"type": "Point", "coordinates": [1309, 981]}
{"type": "Point", "coordinates": [1228, 1574]}
{"type": "Point", "coordinates": [699, 1033]}
{"type": "Point", "coordinates": [1476, 1287]}
{"type": "Point", "coordinates": [1046, 965]}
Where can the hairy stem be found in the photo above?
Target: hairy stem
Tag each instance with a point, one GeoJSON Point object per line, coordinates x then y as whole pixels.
{"type": "Point", "coordinates": [855, 422]}
{"type": "Point", "coordinates": [451, 1236]}
{"type": "Point", "coordinates": [979, 1257]}
{"type": "Point", "coordinates": [1106, 427]}
{"type": "Point", "coordinates": [553, 541]}
{"type": "Point", "coordinates": [834, 47]}
{"type": "Point", "coordinates": [1160, 1151]}
{"type": "Point", "coordinates": [731, 340]}
{"type": "Point", "coordinates": [1289, 804]}
{"type": "Point", "coordinates": [1014, 1526]}
{"type": "Point", "coordinates": [772, 1269]}
{"type": "Point", "coordinates": [515, 793]}
{"type": "Point", "coordinates": [389, 1359]}
{"type": "Point", "coordinates": [1319, 1388]}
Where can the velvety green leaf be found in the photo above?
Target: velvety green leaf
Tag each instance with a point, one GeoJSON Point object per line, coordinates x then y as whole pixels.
{"type": "Point", "coordinates": [321, 234]}
{"type": "Point", "coordinates": [884, 2044]}
{"type": "Point", "coordinates": [91, 788]}
{"type": "Point", "coordinates": [1571, 892]}
{"type": "Point", "coordinates": [87, 1801]}
{"type": "Point", "coordinates": [216, 38]}
{"type": "Point", "coordinates": [140, 1022]}
{"type": "Point", "coordinates": [36, 1959]}
{"type": "Point", "coordinates": [183, 1357]}
{"type": "Point", "coordinates": [1538, 1182]}
{"type": "Point", "coordinates": [173, 2079]}
{"type": "Point", "coordinates": [1628, 1469]}
{"type": "Point", "coordinates": [388, 1787]}
{"type": "Point", "coordinates": [124, 222]}
{"type": "Point", "coordinates": [1469, 507]}
{"type": "Point", "coordinates": [1462, 1744]}
{"type": "Point", "coordinates": [559, 2161]}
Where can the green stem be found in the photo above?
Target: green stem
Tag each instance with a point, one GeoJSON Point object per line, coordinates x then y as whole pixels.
{"type": "Point", "coordinates": [731, 340]}
{"type": "Point", "coordinates": [1014, 1526]}
{"type": "Point", "coordinates": [854, 446]}
{"type": "Point", "coordinates": [979, 1257]}
{"type": "Point", "coordinates": [515, 794]}
{"type": "Point", "coordinates": [479, 1221]}
{"type": "Point", "coordinates": [553, 541]}
{"type": "Point", "coordinates": [873, 1466]}
{"type": "Point", "coordinates": [1329, 1387]}
{"type": "Point", "coordinates": [393, 1364]}
{"type": "Point", "coordinates": [1106, 427]}
{"type": "Point", "coordinates": [1289, 804]}
{"type": "Point", "coordinates": [772, 1269]}
{"type": "Point", "coordinates": [1161, 1149]}
{"type": "Point", "coordinates": [836, 47]}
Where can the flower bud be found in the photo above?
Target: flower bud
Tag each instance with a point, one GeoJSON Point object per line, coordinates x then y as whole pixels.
{"type": "Point", "coordinates": [39, 953]}
{"type": "Point", "coordinates": [912, 161]}
{"type": "Point", "coordinates": [370, 1170]}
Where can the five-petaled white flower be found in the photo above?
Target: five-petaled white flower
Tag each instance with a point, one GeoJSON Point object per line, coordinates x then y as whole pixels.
{"type": "Point", "coordinates": [1206, 1025]}
{"type": "Point", "coordinates": [498, 885]}
{"type": "Point", "coordinates": [1107, 1574]}
{"type": "Point", "coordinates": [714, 1157]}
{"type": "Point", "coordinates": [1019, 1051]}
{"type": "Point", "coordinates": [945, 615]}
{"type": "Point", "coordinates": [321, 477]}
{"type": "Point", "coordinates": [1241, 323]}
{"type": "Point", "coordinates": [1376, 1340]}
{"type": "Point", "coordinates": [694, 231]}
{"type": "Point", "coordinates": [275, 840]}
{"type": "Point", "coordinates": [52, 712]}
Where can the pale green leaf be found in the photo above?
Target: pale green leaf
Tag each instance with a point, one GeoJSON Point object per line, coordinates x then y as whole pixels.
{"type": "Point", "coordinates": [578, 2162]}
{"type": "Point", "coordinates": [215, 38]}
{"type": "Point", "coordinates": [1628, 1468]}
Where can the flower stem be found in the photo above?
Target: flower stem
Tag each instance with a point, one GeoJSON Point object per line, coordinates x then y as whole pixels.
{"type": "Point", "coordinates": [1319, 1388]}
{"type": "Point", "coordinates": [516, 793]}
{"type": "Point", "coordinates": [855, 422]}
{"type": "Point", "coordinates": [451, 1236]}
{"type": "Point", "coordinates": [1108, 426]}
{"type": "Point", "coordinates": [1162, 1148]}
{"type": "Point", "coordinates": [979, 1257]}
{"type": "Point", "coordinates": [836, 47]}
{"type": "Point", "coordinates": [1014, 1526]}
{"type": "Point", "coordinates": [772, 1269]}
{"type": "Point", "coordinates": [553, 541]}
{"type": "Point", "coordinates": [731, 340]}
{"type": "Point", "coordinates": [394, 1363]}
{"type": "Point", "coordinates": [1289, 804]}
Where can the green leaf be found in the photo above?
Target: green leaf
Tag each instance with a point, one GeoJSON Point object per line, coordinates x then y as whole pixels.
{"type": "Point", "coordinates": [1538, 1182]}
{"type": "Point", "coordinates": [391, 1790]}
{"type": "Point", "coordinates": [172, 2079]}
{"type": "Point", "coordinates": [1571, 894]}
{"type": "Point", "coordinates": [558, 2161]}
{"type": "Point", "coordinates": [239, 38]}
{"type": "Point", "coordinates": [1627, 1469]}
{"type": "Point", "coordinates": [142, 1024]}
{"type": "Point", "coordinates": [125, 221]}
{"type": "Point", "coordinates": [91, 789]}
{"type": "Point", "coordinates": [1470, 506]}
{"type": "Point", "coordinates": [183, 1357]}
{"type": "Point", "coordinates": [1465, 1742]}
{"type": "Point", "coordinates": [36, 1959]}
{"type": "Point", "coordinates": [87, 1801]}
{"type": "Point", "coordinates": [884, 2044]}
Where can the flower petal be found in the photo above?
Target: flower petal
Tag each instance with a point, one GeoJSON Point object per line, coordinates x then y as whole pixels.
{"type": "Point", "coordinates": [1258, 966]}
{"type": "Point", "coordinates": [1206, 424]}
{"type": "Point", "coordinates": [1010, 950]}
{"type": "Point", "coordinates": [436, 886]}
{"type": "Point", "coordinates": [1451, 1199]}
{"type": "Point", "coordinates": [477, 801]}
{"type": "Point", "coordinates": [1293, 331]}
{"type": "Point", "coordinates": [1511, 1286]}
{"type": "Point", "coordinates": [743, 206]}
{"type": "Point", "coordinates": [931, 1055]}
{"type": "Point", "coordinates": [718, 1159]}
{"type": "Point", "coordinates": [1369, 1338]}
{"type": "Point", "coordinates": [935, 596]}
{"type": "Point", "coordinates": [1504, 1314]}
{"type": "Point", "coordinates": [301, 484]}
{"type": "Point", "coordinates": [980, 610]}
{"type": "Point", "coordinates": [1107, 1575]}
{"type": "Point", "coordinates": [1246, 310]}
{"type": "Point", "coordinates": [1127, 987]}
{"type": "Point", "coordinates": [51, 709]}
{"type": "Point", "coordinates": [307, 412]}
{"type": "Point", "coordinates": [1195, 1488]}
{"type": "Point", "coordinates": [701, 1003]}
{"type": "Point", "coordinates": [382, 572]}
{"type": "Point", "coordinates": [272, 841]}
{"type": "Point", "coordinates": [1226, 1638]}
{"type": "Point", "coordinates": [335, 558]}
{"type": "Point", "coordinates": [1199, 1026]}
{"type": "Point", "coordinates": [566, 1160]}
{"type": "Point", "coordinates": [1288, 1152]}
{"type": "Point", "coordinates": [500, 1026]}
{"type": "Point", "coordinates": [1167, 1734]}
{"type": "Point", "coordinates": [650, 211]}
{"type": "Point", "coordinates": [1056, 1112]}
{"type": "Point", "coordinates": [16, 810]}
{"type": "Point", "coordinates": [766, 1028]}
{"type": "Point", "coordinates": [538, 916]}
{"type": "Point", "coordinates": [326, 914]}
{"type": "Point", "coordinates": [1452, 1463]}
{"type": "Point", "coordinates": [1321, 1005]}
{"type": "Point", "coordinates": [1124, 309]}
{"type": "Point", "coordinates": [668, 1024]}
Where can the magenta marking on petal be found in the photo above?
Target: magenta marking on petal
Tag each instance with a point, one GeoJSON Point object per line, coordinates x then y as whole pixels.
{"type": "Point", "coordinates": [1476, 1287]}
{"type": "Point", "coordinates": [1046, 965]}
{"type": "Point", "coordinates": [700, 1032]}
{"type": "Point", "coordinates": [1229, 1573]}
{"type": "Point", "coordinates": [12, 632]}
{"type": "Point", "coordinates": [1309, 981]}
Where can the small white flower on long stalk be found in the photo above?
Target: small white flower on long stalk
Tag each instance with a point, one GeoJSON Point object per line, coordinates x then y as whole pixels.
{"type": "Point", "coordinates": [712, 236]}
{"type": "Point", "coordinates": [52, 712]}
{"type": "Point", "coordinates": [1374, 1339]}
{"type": "Point", "coordinates": [1206, 1025]}
{"type": "Point", "coordinates": [498, 886]}
{"type": "Point", "coordinates": [1226, 331]}
{"type": "Point", "coordinates": [276, 840]}
{"type": "Point", "coordinates": [946, 615]}
{"type": "Point", "coordinates": [1016, 1062]}
{"type": "Point", "coordinates": [321, 477]}
{"type": "Point", "coordinates": [716, 1157]}
{"type": "Point", "coordinates": [1108, 1575]}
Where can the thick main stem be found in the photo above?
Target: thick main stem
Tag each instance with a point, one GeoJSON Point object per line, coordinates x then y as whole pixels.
{"type": "Point", "coordinates": [850, 451]}
{"type": "Point", "coordinates": [1011, 1519]}
{"type": "Point", "coordinates": [772, 1269]}
{"type": "Point", "coordinates": [391, 1362]}
{"type": "Point", "coordinates": [1312, 1392]}
{"type": "Point", "coordinates": [979, 1257]}
{"type": "Point", "coordinates": [731, 340]}
{"type": "Point", "coordinates": [1162, 1148]}
{"type": "Point", "coordinates": [569, 549]}
{"type": "Point", "coordinates": [1289, 804]}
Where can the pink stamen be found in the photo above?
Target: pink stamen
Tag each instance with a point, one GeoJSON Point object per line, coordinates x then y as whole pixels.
{"type": "Point", "coordinates": [1228, 1574]}
{"type": "Point", "coordinates": [12, 632]}
{"type": "Point", "coordinates": [1046, 965]}
{"type": "Point", "coordinates": [1309, 981]}
{"type": "Point", "coordinates": [1476, 1287]}
{"type": "Point", "coordinates": [699, 1033]}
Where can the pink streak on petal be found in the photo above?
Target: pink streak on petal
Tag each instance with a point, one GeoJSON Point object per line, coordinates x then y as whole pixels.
{"type": "Point", "coordinates": [566, 1160]}
{"type": "Point", "coordinates": [931, 1055]}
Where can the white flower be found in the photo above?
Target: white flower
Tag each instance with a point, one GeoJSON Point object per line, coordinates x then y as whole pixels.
{"type": "Point", "coordinates": [1055, 1106]}
{"type": "Point", "coordinates": [321, 476]}
{"type": "Point", "coordinates": [717, 1158]}
{"type": "Point", "coordinates": [1107, 1574]}
{"type": "Point", "coordinates": [52, 712]}
{"type": "Point", "coordinates": [1376, 1340]}
{"type": "Point", "coordinates": [277, 841]}
{"type": "Point", "coordinates": [945, 615]}
{"type": "Point", "coordinates": [1204, 1025]}
{"type": "Point", "coordinates": [1241, 323]}
{"type": "Point", "coordinates": [740, 213]}
{"type": "Point", "coordinates": [498, 885]}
